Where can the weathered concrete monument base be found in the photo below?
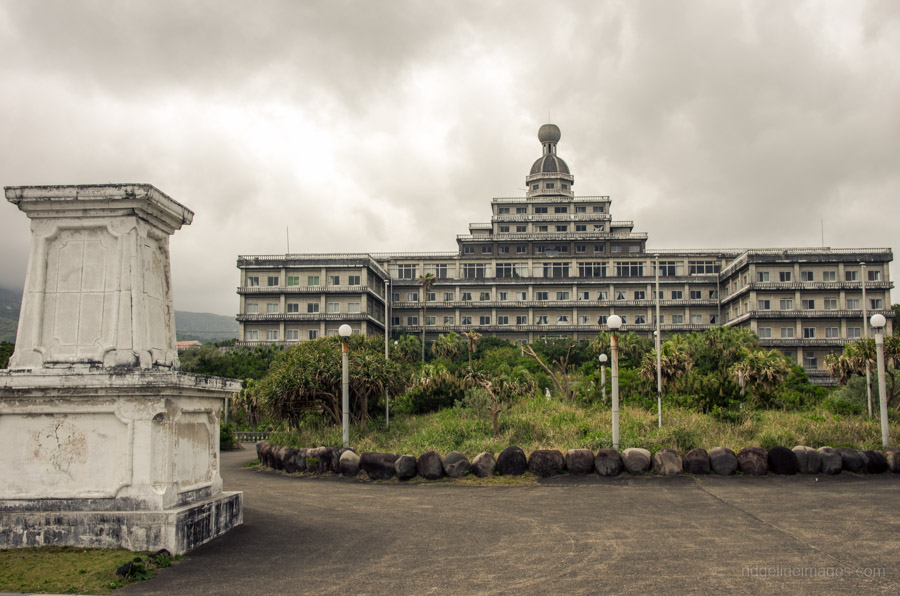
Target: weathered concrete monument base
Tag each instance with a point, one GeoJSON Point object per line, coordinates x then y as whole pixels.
{"type": "Point", "coordinates": [103, 442]}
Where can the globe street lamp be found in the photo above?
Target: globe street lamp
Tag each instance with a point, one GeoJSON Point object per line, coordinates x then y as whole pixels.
{"type": "Point", "coordinates": [614, 322]}
{"type": "Point", "coordinates": [878, 321]}
{"type": "Point", "coordinates": [344, 331]}
{"type": "Point", "coordinates": [603, 360]}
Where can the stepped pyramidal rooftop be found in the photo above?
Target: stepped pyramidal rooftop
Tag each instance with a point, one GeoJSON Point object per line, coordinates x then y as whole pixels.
{"type": "Point", "coordinates": [554, 264]}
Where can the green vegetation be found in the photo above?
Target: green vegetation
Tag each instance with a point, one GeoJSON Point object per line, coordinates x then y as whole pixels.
{"type": "Point", "coordinates": [67, 570]}
{"type": "Point", "coordinates": [6, 350]}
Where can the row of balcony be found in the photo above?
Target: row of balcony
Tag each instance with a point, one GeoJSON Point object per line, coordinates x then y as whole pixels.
{"type": "Point", "coordinates": [514, 217]}
{"type": "Point", "coordinates": [549, 328]}
{"type": "Point", "coordinates": [549, 236]}
{"type": "Point", "coordinates": [552, 304]}
{"type": "Point", "coordinates": [581, 282]}
{"type": "Point", "coordinates": [293, 316]}
{"type": "Point", "coordinates": [275, 290]}
{"type": "Point", "coordinates": [808, 314]}
{"type": "Point", "coordinates": [758, 286]}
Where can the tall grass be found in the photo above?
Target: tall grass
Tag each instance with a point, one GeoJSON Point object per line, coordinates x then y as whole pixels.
{"type": "Point", "coordinates": [549, 423]}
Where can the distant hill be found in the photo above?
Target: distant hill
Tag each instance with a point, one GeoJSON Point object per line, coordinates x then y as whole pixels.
{"type": "Point", "coordinates": [203, 326]}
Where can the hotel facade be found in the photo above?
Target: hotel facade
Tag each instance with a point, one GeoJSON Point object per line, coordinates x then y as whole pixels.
{"type": "Point", "coordinates": [552, 264]}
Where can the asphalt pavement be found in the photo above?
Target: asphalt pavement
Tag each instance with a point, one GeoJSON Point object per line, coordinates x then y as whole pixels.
{"type": "Point", "coordinates": [568, 535]}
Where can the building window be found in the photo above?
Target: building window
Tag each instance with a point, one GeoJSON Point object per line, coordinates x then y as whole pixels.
{"type": "Point", "coordinates": [520, 295]}
{"type": "Point", "coordinates": [334, 280]}
{"type": "Point", "coordinates": [429, 321]}
{"type": "Point", "coordinates": [353, 280]}
{"type": "Point", "coordinates": [786, 304]}
{"type": "Point", "coordinates": [549, 185]}
{"type": "Point", "coordinates": [468, 250]}
{"type": "Point", "coordinates": [542, 295]}
{"type": "Point", "coordinates": [486, 250]}
{"type": "Point", "coordinates": [829, 276]}
{"type": "Point", "coordinates": [252, 308]}
{"type": "Point", "coordinates": [293, 280]}
{"type": "Point", "coordinates": [787, 332]}
{"type": "Point", "coordinates": [584, 295]}
{"type": "Point", "coordinates": [809, 333]}
{"type": "Point", "coordinates": [851, 275]}
{"type": "Point", "coordinates": [601, 320]}
{"type": "Point", "coordinates": [521, 229]}
{"type": "Point", "coordinates": [431, 297]}
{"type": "Point", "coordinates": [502, 319]}
{"type": "Point", "coordinates": [580, 248]}
{"type": "Point", "coordinates": [312, 280]}
{"type": "Point", "coordinates": [629, 269]}
{"type": "Point", "coordinates": [503, 210]}
{"type": "Point", "coordinates": [702, 267]}
{"type": "Point", "coordinates": [762, 276]}
{"type": "Point", "coordinates": [312, 334]}
{"type": "Point", "coordinates": [521, 319]}
{"type": "Point", "coordinates": [764, 304]}
{"type": "Point", "coordinates": [395, 321]}
{"type": "Point", "coordinates": [271, 334]}
{"type": "Point", "coordinates": [854, 332]}
{"type": "Point", "coordinates": [466, 296]}
{"type": "Point", "coordinates": [448, 296]}
{"type": "Point", "coordinates": [677, 319]}
{"type": "Point", "coordinates": [503, 249]}
{"type": "Point", "coordinates": [292, 334]}
{"type": "Point", "coordinates": [852, 303]}
{"type": "Point", "coordinates": [406, 272]}
{"type": "Point", "coordinates": [808, 304]}
{"type": "Point", "coordinates": [831, 304]}
{"type": "Point", "coordinates": [876, 303]}
{"type": "Point", "coordinates": [253, 281]}
{"type": "Point", "coordinates": [541, 320]}
{"type": "Point", "coordinates": [448, 319]}
{"type": "Point", "coordinates": [272, 281]}
{"type": "Point", "coordinates": [714, 294]}
{"type": "Point", "coordinates": [535, 186]}
{"type": "Point", "coordinates": [713, 319]}
{"type": "Point", "coordinates": [484, 320]}
{"type": "Point", "coordinates": [540, 210]}
{"type": "Point", "coordinates": [271, 308]}
{"type": "Point", "coordinates": [640, 319]}
{"type": "Point", "coordinates": [353, 307]}
{"type": "Point", "coordinates": [465, 320]}
{"type": "Point", "coordinates": [598, 208]}
{"type": "Point", "coordinates": [696, 294]}
{"type": "Point", "coordinates": [785, 276]}
{"type": "Point", "coordinates": [560, 210]}
{"type": "Point", "coordinates": [765, 332]}
{"type": "Point", "coordinates": [831, 333]}
{"type": "Point", "coordinates": [807, 276]}
{"type": "Point", "coordinates": [634, 248]}
{"type": "Point", "coordinates": [640, 295]}
{"type": "Point", "coordinates": [540, 228]}
{"type": "Point", "coordinates": [484, 296]}
{"type": "Point", "coordinates": [696, 319]}
{"type": "Point", "coordinates": [520, 210]}
{"type": "Point", "coordinates": [312, 307]}
{"type": "Point", "coordinates": [580, 208]}
{"type": "Point", "coordinates": [412, 297]}
{"type": "Point", "coordinates": [584, 320]}
{"type": "Point", "coordinates": [333, 307]}
{"type": "Point", "coordinates": [677, 294]}
{"type": "Point", "coordinates": [473, 271]}
{"type": "Point", "coordinates": [616, 248]}
{"type": "Point", "coordinates": [412, 320]}
{"type": "Point", "coordinates": [521, 250]}
{"type": "Point", "coordinates": [620, 295]}
{"type": "Point", "coordinates": [510, 270]}
{"type": "Point", "coordinates": [666, 268]}
{"type": "Point", "coordinates": [562, 320]}
{"type": "Point", "coordinates": [252, 335]}
{"type": "Point", "coordinates": [810, 361]}
{"type": "Point", "coordinates": [504, 229]}
{"type": "Point", "coordinates": [293, 307]}
{"type": "Point", "coordinates": [557, 270]}
{"type": "Point", "coordinates": [598, 248]}
{"type": "Point", "coordinates": [562, 295]}
{"type": "Point", "coordinates": [562, 228]}
{"type": "Point", "coordinates": [597, 269]}
{"type": "Point", "coordinates": [874, 275]}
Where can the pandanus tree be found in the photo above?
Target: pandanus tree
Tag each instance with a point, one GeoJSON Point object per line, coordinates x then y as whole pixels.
{"type": "Point", "coordinates": [427, 282]}
{"type": "Point", "coordinates": [472, 338]}
{"type": "Point", "coordinates": [449, 346]}
{"type": "Point", "coordinates": [853, 362]}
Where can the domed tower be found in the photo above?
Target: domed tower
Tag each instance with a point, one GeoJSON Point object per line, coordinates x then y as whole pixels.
{"type": "Point", "coordinates": [549, 175]}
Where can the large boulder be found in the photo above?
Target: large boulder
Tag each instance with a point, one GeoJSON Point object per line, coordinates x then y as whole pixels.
{"type": "Point", "coordinates": [876, 463]}
{"type": "Point", "coordinates": [456, 465]}
{"type": "Point", "coordinates": [430, 466]}
{"type": "Point", "coordinates": [753, 461]}
{"type": "Point", "coordinates": [349, 463]}
{"type": "Point", "coordinates": [405, 467]}
{"type": "Point", "coordinates": [782, 461]}
{"type": "Point", "coordinates": [830, 461]}
{"type": "Point", "coordinates": [892, 455]}
{"type": "Point", "coordinates": [579, 461]}
{"type": "Point", "coordinates": [667, 462]}
{"type": "Point", "coordinates": [853, 460]}
{"type": "Point", "coordinates": [323, 460]}
{"type": "Point", "coordinates": [696, 461]}
{"type": "Point", "coordinates": [264, 453]}
{"type": "Point", "coordinates": [512, 462]}
{"type": "Point", "coordinates": [636, 460]}
{"type": "Point", "coordinates": [608, 462]}
{"type": "Point", "coordinates": [546, 462]}
{"type": "Point", "coordinates": [723, 461]}
{"type": "Point", "coordinates": [484, 465]}
{"type": "Point", "coordinates": [807, 460]}
{"type": "Point", "coordinates": [260, 447]}
{"type": "Point", "coordinates": [379, 466]}
{"type": "Point", "coordinates": [279, 456]}
{"type": "Point", "coordinates": [295, 461]}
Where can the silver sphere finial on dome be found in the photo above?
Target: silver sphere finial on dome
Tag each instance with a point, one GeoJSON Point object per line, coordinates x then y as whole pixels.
{"type": "Point", "coordinates": [549, 133]}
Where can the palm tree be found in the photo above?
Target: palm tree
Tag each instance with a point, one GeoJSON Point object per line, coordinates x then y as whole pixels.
{"type": "Point", "coordinates": [472, 338]}
{"type": "Point", "coordinates": [427, 282]}
{"type": "Point", "coordinates": [449, 346]}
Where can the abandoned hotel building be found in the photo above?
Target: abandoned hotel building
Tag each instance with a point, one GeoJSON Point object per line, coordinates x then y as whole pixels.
{"type": "Point", "coordinates": [551, 263]}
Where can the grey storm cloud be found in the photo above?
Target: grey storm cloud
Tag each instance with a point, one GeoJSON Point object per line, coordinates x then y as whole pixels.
{"type": "Point", "coordinates": [388, 126]}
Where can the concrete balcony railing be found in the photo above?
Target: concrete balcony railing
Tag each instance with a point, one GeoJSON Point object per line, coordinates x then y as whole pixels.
{"type": "Point", "coordinates": [606, 304]}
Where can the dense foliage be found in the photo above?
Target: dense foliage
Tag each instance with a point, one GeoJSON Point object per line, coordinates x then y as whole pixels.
{"type": "Point", "coordinates": [6, 350]}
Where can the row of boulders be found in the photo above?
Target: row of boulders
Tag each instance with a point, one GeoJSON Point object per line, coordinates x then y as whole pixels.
{"type": "Point", "coordinates": [753, 461]}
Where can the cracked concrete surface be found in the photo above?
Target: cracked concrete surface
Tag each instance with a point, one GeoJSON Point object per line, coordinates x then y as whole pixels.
{"type": "Point", "coordinates": [568, 535]}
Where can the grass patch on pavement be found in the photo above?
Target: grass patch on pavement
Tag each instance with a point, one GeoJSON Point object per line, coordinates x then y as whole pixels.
{"type": "Point", "coordinates": [69, 570]}
{"type": "Point", "coordinates": [551, 423]}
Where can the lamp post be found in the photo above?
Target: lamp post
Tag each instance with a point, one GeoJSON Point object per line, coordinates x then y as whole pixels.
{"type": "Point", "coordinates": [614, 322]}
{"type": "Point", "coordinates": [658, 335]}
{"type": "Point", "coordinates": [603, 360]}
{"type": "Point", "coordinates": [387, 356]}
{"type": "Point", "coordinates": [344, 331]}
{"type": "Point", "coordinates": [877, 321]}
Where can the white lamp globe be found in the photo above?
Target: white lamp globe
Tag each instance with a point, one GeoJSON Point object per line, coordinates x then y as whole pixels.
{"type": "Point", "coordinates": [614, 322]}
{"type": "Point", "coordinates": [345, 330]}
{"type": "Point", "coordinates": [603, 358]}
{"type": "Point", "coordinates": [877, 321]}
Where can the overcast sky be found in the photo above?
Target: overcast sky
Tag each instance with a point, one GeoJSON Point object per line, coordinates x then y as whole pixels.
{"type": "Point", "coordinates": [388, 126]}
